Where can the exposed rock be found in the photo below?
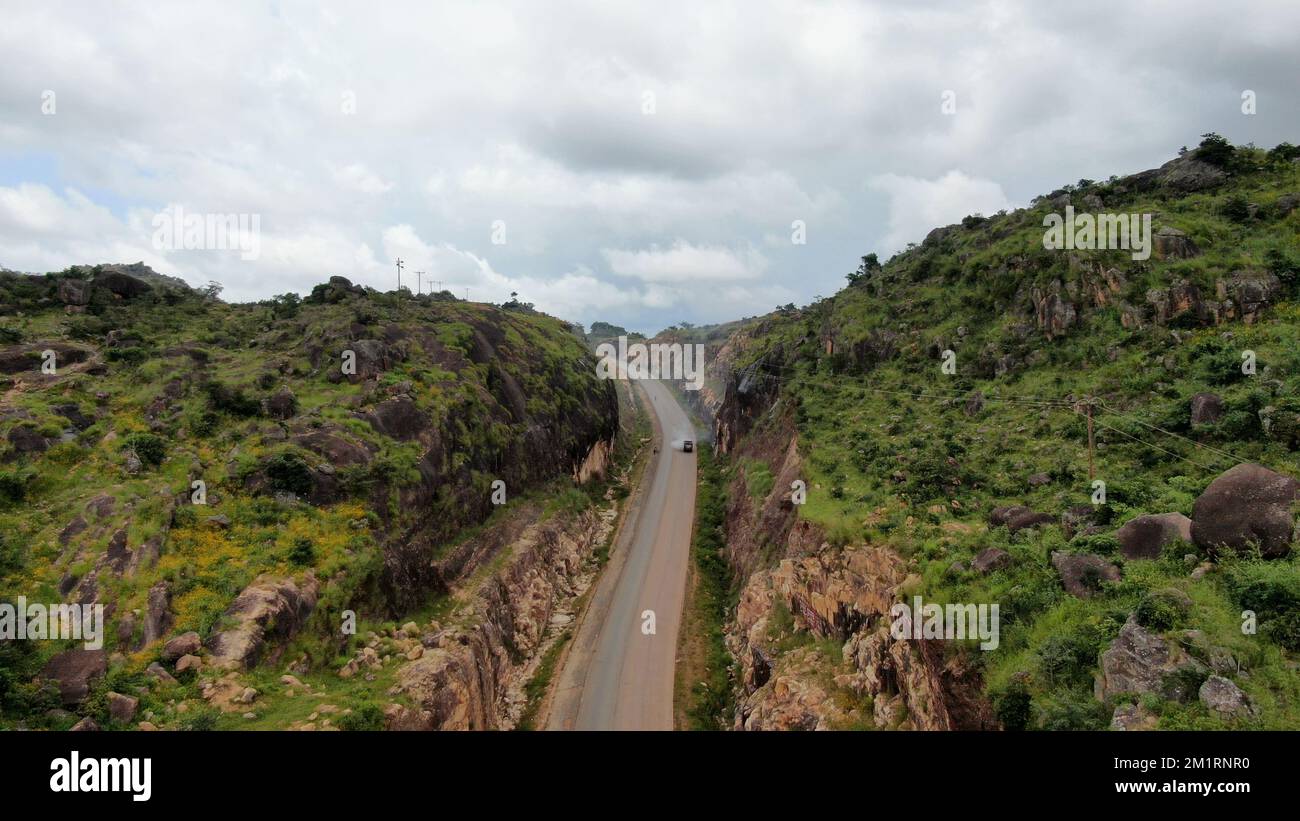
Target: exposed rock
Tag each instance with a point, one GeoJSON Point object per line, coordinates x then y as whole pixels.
{"type": "Point", "coordinates": [158, 620]}
{"type": "Point", "coordinates": [1170, 243]}
{"type": "Point", "coordinates": [86, 725]}
{"type": "Point", "coordinates": [269, 611]}
{"type": "Point", "coordinates": [1146, 536]}
{"type": "Point", "coordinates": [157, 671]}
{"type": "Point", "coordinates": [1248, 504]}
{"type": "Point", "coordinates": [1039, 479]}
{"type": "Point", "coordinates": [1133, 717]}
{"type": "Point", "coordinates": [184, 644]}
{"type": "Point", "coordinates": [1207, 408]}
{"type": "Point", "coordinates": [1224, 698]}
{"type": "Point", "coordinates": [398, 418]}
{"type": "Point", "coordinates": [402, 718]}
{"type": "Point", "coordinates": [26, 440]}
{"type": "Point", "coordinates": [122, 708]}
{"type": "Point", "coordinates": [1250, 292]}
{"type": "Point", "coordinates": [1018, 517]}
{"type": "Point", "coordinates": [1139, 661]}
{"type": "Point", "coordinates": [73, 671]}
{"type": "Point", "coordinates": [188, 662]}
{"type": "Point", "coordinates": [282, 405]}
{"type": "Point", "coordinates": [990, 560]}
{"type": "Point", "coordinates": [975, 403]}
{"type": "Point", "coordinates": [1082, 574]}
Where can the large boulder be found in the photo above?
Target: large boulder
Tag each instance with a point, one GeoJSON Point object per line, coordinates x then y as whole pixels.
{"type": "Point", "coordinates": [1248, 504]}
{"type": "Point", "coordinates": [1018, 517]}
{"type": "Point", "coordinates": [1139, 661]}
{"type": "Point", "coordinates": [1224, 698]}
{"type": "Point", "coordinates": [1207, 408]}
{"type": "Point", "coordinates": [991, 559]}
{"type": "Point", "coordinates": [1082, 574]}
{"type": "Point", "coordinates": [184, 644]}
{"type": "Point", "coordinates": [1146, 536]}
{"type": "Point", "coordinates": [73, 671]}
{"type": "Point", "coordinates": [122, 708]}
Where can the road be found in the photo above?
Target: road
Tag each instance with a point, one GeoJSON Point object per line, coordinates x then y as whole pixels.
{"type": "Point", "coordinates": [617, 677]}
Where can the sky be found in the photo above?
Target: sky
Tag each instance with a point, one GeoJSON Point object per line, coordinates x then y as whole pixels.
{"type": "Point", "coordinates": [638, 163]}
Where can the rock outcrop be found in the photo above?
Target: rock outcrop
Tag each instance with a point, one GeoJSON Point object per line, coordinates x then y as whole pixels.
{"type": "Point", "coordinates": [266, 614]}
{"type": "Point", "coordinates": [1247, 505]}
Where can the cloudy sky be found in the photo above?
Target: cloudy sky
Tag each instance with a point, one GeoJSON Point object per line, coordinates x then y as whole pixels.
{"type": "Point", "coordinates": [643, 163]}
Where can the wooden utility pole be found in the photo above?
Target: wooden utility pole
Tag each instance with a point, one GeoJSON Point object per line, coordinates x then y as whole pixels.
{"type": "Point", "coordinates": [419, 282]}
{"type": "Point", "coordinates": [1092, 470]}
{"type": "Point", "coordinates": [399, 273]}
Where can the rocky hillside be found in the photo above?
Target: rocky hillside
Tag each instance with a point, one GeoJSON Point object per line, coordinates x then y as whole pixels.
{"type": "Point", "coordinates": [230, 481]}
{"type": "Point", "coordinates": [1172, 602]}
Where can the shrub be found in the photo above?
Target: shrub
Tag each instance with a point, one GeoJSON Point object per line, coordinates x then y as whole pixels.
{"type": "Point", "coordinates": [1162, 609]}
{"type": "Point", "coordinates": [231, 400]}
{"type": "Point", "coordinates": [150, 448]}
{"type": "Point", "coordinates": [303, 552]}
{"type": "Point", "coordinates": [13, 486]}
{"type": "Point", "coordinates": [364, 716]}
{"type": "Point", "coordinates": [288, 472]}
{"type": "Point", "coordinates": [1012, 707]}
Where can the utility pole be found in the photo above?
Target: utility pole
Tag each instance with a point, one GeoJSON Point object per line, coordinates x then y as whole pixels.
{"type": "Point", "coordinates": [1092, 471]}
{"type": "Point", "coordinates": [419, 282]}
{"type": "Point", "coordinates": [399, 274]}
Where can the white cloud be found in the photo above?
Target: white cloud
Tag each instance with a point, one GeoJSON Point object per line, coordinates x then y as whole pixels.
{"type": "Point", "coordinates": [357, 177]}
{"type": "Point", "coordinates": [917, 205]}
{"type": "Point", "coordinates": [683, 262]}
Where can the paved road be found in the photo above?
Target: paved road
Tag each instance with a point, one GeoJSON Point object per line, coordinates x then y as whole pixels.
{"type": "Point", "coordinates": [616, 677]}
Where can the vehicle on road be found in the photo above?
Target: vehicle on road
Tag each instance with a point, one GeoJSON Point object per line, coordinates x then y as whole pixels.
{"type": "Point", "coordinates": [687, 446]}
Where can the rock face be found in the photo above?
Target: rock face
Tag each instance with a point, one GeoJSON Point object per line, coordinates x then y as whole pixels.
{"type": "Point", "coordinates": [1082, 574]}
{"type": "Point", "coordinates": [845, 597]}
{"type": "Point", "coordinates": [1207, 408]}
{"type": "Point", "coordinates": [471, 678]}
{"type": "Point", "coordinates": [1139, 661]}
{"type": "Point", "coordinates": [1146, 536]}
{"type": "Point", "coordinates": [1133, 717]}
{"type": "Point", "coordinates": [73, 671]}
{"type": "Point", "coordinates": [1248, 504]}
{"type": "Point", "coordinates": [268, 612]}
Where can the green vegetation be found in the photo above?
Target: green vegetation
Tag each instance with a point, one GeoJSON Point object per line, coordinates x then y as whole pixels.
{"type": "Point", "coordinates": [710, 702]}
{"type": "Point", "coordinates": [898, 453]}
{"type": "Point", "coordinates": [306, 468]}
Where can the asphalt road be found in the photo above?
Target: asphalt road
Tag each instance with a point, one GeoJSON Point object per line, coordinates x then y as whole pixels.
{"type": "Point", "coordinates": [617, 677]}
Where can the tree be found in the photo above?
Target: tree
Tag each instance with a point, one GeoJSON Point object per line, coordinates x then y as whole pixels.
{"type": "Point", "coordinates": [1215, 150]}
{"type": "Point", "coordinates": [212, 290]}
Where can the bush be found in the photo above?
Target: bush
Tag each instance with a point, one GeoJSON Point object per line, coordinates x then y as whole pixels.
{"type": "Point", "coordinates": [1012, 707]}
{"type": "Point", "coordinates": [364, 716]}
{"type": "Point", "coordinates": [13, 486]}
{"type": "Point", "coordinates": [1162, 609]}
{"type": "Point", "coordinates": [289, 473]}
{"type": "Point", "coordinates": [150, 448]}
{"type": "Point", "coordinates": [231, 400]}
{"type": "Point", "coordinates": [303, 552]}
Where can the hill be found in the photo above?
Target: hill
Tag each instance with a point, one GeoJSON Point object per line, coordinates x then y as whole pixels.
{"type": "Point", "coordinates": [939, 411]}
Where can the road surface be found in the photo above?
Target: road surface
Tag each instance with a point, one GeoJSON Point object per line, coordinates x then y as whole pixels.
{"type": "Point", "coordinates": [616, 677]}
